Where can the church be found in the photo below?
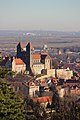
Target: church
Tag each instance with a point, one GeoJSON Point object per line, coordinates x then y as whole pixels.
{"type": "Point", "coordinates": [35, 61]}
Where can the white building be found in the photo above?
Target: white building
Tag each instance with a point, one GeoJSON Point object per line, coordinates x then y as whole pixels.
{"type": "Point", "coordinates": [18, 65]}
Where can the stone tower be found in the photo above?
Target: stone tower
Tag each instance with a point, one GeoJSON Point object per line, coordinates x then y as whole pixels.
{"type": "Point", "coordinates": [47, 62]}
{"type": "Point", "coordinates": [19, 49]}
{"type": "Point", "coordinates": [29, 52]}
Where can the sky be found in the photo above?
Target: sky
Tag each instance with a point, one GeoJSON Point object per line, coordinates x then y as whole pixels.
{"type": "Point", "coordinates": [56, 15]}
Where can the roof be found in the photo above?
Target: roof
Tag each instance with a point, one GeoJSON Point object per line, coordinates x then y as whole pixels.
{"type": "Point", "coordinates": [72, 81]}
{"type": "Point", "coordinates": [30, 83]}
{"type": "Point", "coordinates": [69, 65]}
{"type": "Point", "coordinates": [29, 44]}
{"type": "Point", "coordinates": [37, 63]}
{"type": "Point", "coordinates": [36, 56]}
{"type": "Point", "coordinates": [44, 53]}
{"type": "Point", "coordinates": [20, 78]}
{"type": "Point", "coordinates": [18, 61]}
{"type": "Point", "coordinates": [21, 45]}
{"type": "Point", "coordinates": [42, 99]}
{"type": "Point", "coordinates": [48, 57]}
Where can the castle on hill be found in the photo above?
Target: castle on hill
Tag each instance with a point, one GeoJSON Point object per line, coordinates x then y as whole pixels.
{"type": "Point", "coordinates": [35, 62]}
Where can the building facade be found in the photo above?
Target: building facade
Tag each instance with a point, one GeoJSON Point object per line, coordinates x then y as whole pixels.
{"type": "Point", "coordinates": [18, 65]}
{"type": "Point", "coordinates": [35, 62]}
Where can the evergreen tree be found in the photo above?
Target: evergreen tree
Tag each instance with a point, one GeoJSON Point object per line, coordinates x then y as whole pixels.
{"type": "Point", "coordinates": [11, 106]}
{"type": "Point", "coordinates": [55, 100]}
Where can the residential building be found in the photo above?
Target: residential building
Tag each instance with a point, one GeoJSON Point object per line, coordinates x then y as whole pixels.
{"type": "Point", "coordinates": [33, 88]}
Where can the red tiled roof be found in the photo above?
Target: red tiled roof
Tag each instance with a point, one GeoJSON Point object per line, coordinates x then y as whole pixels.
{"type": "Point", "coordinates": [36, 56]}
{"type": "Point", "coordinates": [18, 61]}
{"type": "Point", "coordinates": [43, 99]}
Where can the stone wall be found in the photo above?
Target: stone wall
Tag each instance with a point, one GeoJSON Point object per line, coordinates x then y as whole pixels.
{"type": "Point", "coordinates": [63, 73]}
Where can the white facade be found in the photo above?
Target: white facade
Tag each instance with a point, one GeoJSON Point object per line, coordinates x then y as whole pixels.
{"type": "Point", "coordinates": [21, 68]}
{"type": "Point", "coordinates": [32, 90]}
{"type": "Point", "coordinates": [37, 68]}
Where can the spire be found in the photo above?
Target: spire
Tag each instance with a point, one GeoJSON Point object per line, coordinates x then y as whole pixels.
{"type": "Point", "coordinates": [30, 45]}
{"type": "Point", "coordinates": [21, 45]}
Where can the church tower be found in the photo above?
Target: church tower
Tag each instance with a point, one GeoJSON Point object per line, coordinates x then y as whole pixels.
{"type": "Point", "coordinates": [29, 52]}
{"type": "Point", "coordinates": [19, 49]}
{"type": "Point", "coordinates": [47, 62]}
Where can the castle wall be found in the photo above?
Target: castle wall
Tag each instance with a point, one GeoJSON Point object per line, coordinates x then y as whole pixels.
{"type": "Point", "coordinates": [63, 73]}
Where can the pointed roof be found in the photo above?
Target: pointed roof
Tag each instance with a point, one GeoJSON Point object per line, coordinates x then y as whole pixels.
{"type": "Point", "coordinates": [48, 57]}
{"type": "Point", "coordinates": [21, 45]}
{"type": "Point", "coordinates": [29, 44]}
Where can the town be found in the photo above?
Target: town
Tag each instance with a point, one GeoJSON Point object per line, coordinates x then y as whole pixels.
{"type": "Point", "coordinates": [39, 60]}
{"type": "Point", "coordinates": [36, 74]}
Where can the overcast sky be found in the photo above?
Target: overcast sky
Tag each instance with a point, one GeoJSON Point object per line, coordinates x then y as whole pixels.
{"type": "Point", "coordinates": [59, 15]}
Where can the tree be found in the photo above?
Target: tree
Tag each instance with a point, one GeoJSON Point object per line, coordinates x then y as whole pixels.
{"type": "Point", "coordinates": [55, 100]}
{"type": "Point", "coordinates": [69, 110]}
{"type": "Point", "coordinates": [6, 73]}
{"type": "Point", "coordinates": [11, 106]}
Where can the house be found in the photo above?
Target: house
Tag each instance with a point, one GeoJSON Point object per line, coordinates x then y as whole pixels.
{"type": "Point", "coordinates": [33, 88]}
{"type": "Point", "coordinates": [18, 65]}
{"type": "Point", "coordinates": [75, 91]}
{"type": "Point", "coordinates": [72, 83]}
{"type": "Point", "coordinates": [69, 87]}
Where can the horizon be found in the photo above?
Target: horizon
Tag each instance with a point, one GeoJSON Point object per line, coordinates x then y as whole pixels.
{"type": "Point", "coordinates": [43, 30]}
